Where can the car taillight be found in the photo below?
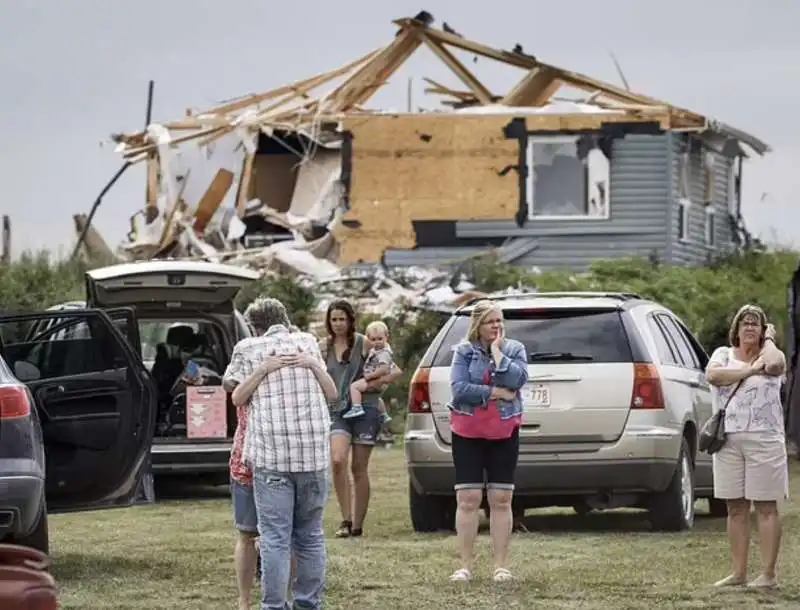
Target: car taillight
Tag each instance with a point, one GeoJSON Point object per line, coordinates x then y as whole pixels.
{"type": "Point", "coordinates": [419, 395]}
{"type": "Point", "coordinates": [647, 392]}
{"type": "Point", "coordinates": [14, 402]}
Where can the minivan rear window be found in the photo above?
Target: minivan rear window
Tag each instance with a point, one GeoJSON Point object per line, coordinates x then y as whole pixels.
{"type": "Point", "coordinates": [554, 336]}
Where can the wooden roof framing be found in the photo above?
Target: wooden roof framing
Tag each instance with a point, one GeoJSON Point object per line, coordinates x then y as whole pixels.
{"type": "Point", "coordinates": [294, 106]}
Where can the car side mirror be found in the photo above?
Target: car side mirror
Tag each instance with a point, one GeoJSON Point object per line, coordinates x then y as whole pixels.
{"type": "Point", "coordinates": [25, 371]}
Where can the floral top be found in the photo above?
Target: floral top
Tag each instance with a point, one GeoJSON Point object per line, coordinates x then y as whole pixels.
{"type": "Point", "coordinates": [756, 406]}
{"type": "Point", "coordinates": [240, 472]}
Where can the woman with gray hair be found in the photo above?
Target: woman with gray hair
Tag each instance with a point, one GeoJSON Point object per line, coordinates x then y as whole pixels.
{"type": "Point", "coordinates": [752, 466]}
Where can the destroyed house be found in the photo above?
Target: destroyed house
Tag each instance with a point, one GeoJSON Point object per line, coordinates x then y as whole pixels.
{"type": "Point", "coordinates": [544, 179]}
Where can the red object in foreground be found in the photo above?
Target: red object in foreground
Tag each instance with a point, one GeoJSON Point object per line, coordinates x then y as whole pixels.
{"type": "Point", "coordinates": [25, 583]}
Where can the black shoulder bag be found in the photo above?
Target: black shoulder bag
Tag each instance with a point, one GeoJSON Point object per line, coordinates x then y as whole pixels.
{"type": "Point", "coordinates": [712, 435]}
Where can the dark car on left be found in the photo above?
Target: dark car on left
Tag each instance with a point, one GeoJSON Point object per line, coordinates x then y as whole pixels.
{"type": "Point", "coordinates": [77, 408]}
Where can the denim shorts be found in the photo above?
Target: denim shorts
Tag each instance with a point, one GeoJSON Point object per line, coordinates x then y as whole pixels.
{"type": "Point", "coordinates": [362, 430]}
{"type": "Point", "coordinates": [245, 518]}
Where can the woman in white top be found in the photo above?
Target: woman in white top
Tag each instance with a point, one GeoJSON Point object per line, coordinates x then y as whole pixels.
{"type": "Point", "coordinates": [752, 465]}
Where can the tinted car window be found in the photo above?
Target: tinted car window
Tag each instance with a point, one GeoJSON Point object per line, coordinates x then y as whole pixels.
{"type": "Point", "coordinates": [686, 352]}
{"type": "Point", "coordinates": [70, 347]}
{"type": "Point", "coordinates": [555, 336]}
{"type": "Point", "coordinates": [665, 354]}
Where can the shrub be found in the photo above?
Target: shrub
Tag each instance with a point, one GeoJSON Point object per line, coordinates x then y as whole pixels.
{"type": "Point", "coordinates": [705, 298]}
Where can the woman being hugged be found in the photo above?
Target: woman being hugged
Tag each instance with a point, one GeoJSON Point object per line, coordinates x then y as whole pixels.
{"type": "Point", "coordinates": [486, 376]}
{"type": "Point", "coordinates": [752, 465]}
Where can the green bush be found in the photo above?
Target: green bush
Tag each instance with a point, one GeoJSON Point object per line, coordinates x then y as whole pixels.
{"type": "Point", "coordinates": [37, 281]}
{"type": "Point", "coordinates": [705, 298]}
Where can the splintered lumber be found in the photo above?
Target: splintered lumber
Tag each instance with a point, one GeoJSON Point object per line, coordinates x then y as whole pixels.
{"type": "Point", "coordinates": [466, 77]}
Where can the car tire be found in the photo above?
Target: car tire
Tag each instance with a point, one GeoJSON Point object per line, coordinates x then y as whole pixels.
{"type": "Point", "coordinates": [672, 510]}
{"type": "Point", "coordinates": [39, 538]}
{"type": "Point", "coordinates": [717, 508]}
{"type": "Point", "coordinates": [431, 513]}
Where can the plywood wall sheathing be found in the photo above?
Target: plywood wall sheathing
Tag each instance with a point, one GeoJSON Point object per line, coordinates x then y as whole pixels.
{"type": "Point", "coordinates": [438, 167]}
{"type": "Point", "coordinates": [424, 167]}
{"type": "Point", "coordinates": [273, 180]}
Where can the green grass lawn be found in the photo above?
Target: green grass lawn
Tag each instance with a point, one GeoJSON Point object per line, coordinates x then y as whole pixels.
{"type": "Point", "coordinates": [178, 554]}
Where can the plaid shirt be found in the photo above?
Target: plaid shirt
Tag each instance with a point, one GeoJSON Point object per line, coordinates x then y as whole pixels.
{"type": "Point", "coordinates": [288, 425]}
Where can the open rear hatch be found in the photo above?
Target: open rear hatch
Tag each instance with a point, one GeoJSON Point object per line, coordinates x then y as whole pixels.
{"type": "Point", "coordinates": [581, 376]}
{"type": "Point", "coordinates": [181, 284]}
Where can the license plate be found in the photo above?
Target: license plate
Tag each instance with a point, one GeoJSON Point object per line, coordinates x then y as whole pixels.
{"type": "Point", "coordinates": [536, 396]}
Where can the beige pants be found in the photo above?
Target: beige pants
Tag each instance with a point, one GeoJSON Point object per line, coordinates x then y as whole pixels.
{"type": "Point", "coordinates": [751, 466]}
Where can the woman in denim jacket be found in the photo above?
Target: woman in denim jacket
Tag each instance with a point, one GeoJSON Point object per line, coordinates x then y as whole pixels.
{"type": "Point", "coordinates": [487, 373]}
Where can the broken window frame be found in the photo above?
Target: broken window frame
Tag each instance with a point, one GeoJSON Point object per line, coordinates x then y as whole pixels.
{"type": "Point", "coordinates": [531, 180]}
{"type": "Point", "coordinates": [684, 206]}
{"type": "Point", "coordinates": [711, 227]}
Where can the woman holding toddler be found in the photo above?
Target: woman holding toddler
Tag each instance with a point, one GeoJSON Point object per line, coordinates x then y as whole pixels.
{"type": "Point", "coordinates": [358, 366]}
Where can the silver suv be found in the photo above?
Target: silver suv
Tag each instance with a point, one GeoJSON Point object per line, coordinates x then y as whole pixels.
{"type": "Point", "coordinates": [616, 396]}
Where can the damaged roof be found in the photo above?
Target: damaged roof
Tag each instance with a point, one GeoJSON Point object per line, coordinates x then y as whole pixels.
{"type": "Point", "coordinates": [295, 107]}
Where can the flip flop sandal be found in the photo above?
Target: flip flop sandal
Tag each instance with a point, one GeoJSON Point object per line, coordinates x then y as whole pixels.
{"type": "Point", "coordinates": [345, 529]}
{"type": "Point", "coordinates": [462, 575]}
{"type": "Point", "coordinates": [502, 575]}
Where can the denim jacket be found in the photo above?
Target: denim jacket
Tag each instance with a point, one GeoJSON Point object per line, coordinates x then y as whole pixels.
{"type": "Point", "coordinates": [470, 363]}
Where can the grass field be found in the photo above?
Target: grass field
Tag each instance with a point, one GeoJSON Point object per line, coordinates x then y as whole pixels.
{"type": "Point", "coordinates": [179, 554]}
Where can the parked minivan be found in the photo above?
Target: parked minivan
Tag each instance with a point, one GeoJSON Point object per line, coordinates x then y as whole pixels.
{"type": "Point", "coordinates": [615, 399]}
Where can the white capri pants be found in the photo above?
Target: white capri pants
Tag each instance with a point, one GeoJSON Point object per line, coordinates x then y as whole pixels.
{"type": "Point", "coordinates": [752, 466]}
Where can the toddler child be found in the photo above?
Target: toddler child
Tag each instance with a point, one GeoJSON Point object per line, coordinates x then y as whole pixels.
{"type": "Point", "coordinates": [379, 363]}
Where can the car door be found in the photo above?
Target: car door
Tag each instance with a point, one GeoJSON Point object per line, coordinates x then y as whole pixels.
{"type": "Point", "coordinates": [95, 403]}
{"type": "Point", "coordinates": [693, 365]}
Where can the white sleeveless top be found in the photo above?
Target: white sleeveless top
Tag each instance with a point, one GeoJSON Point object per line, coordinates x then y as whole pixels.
{"type": "Point", "coordinates": [756, 406]}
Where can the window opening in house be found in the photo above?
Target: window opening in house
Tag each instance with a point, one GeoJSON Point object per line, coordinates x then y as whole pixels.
{"type": "Point", "coordinates": [711, 227]}
{"type": "Point", "coordinates": [683, 218]}
{"type": "Point", "coordinates": [569, 177]}
{"type": "Point", "coordinates": [733, 189]}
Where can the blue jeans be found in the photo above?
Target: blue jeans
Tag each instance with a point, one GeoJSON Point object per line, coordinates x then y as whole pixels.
{"type": "Point", "coordinates": [290, 508]}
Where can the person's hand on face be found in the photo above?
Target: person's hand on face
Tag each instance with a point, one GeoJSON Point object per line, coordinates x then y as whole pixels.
{"type": "Point", "coordinates": [498, 339]}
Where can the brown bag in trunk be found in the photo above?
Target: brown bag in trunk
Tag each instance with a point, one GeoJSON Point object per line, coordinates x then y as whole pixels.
{"type": "Point", "coordinates": [25, 583]}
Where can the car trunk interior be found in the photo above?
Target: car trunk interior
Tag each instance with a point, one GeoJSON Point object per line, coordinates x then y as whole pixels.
{"type": "Point", "coordinates": [187, 329]}
{"type": "Point", "coordinates": [169, 340]}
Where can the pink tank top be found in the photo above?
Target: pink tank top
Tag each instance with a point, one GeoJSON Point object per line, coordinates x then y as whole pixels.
{"type": "Point", "coordinates": [484, 423]}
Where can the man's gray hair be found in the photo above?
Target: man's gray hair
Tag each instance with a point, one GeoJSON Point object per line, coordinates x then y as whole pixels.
{"type": "Point", "coordinates": [266, 312]}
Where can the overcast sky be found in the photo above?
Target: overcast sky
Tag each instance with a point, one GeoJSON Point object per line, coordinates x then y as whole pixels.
{"type": "Point", "coordinates": [75, 71]}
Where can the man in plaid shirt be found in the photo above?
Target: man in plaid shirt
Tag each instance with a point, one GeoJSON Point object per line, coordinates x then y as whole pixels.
{"type": "Point", "coordinates": [280, 379]}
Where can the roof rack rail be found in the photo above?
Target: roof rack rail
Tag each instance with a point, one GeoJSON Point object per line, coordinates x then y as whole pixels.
{"type": "Point", "coordinates": [622, 296]}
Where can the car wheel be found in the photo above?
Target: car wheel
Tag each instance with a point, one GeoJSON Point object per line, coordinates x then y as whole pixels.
{"type": "Point", "coordinates": [717, 507]}
{"type": "Point", "coordinates": [39, 538]}
{"type": "Point", "coordinates": [431, 513]}
{"type": "Point", "coordinates": [672, 510]}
